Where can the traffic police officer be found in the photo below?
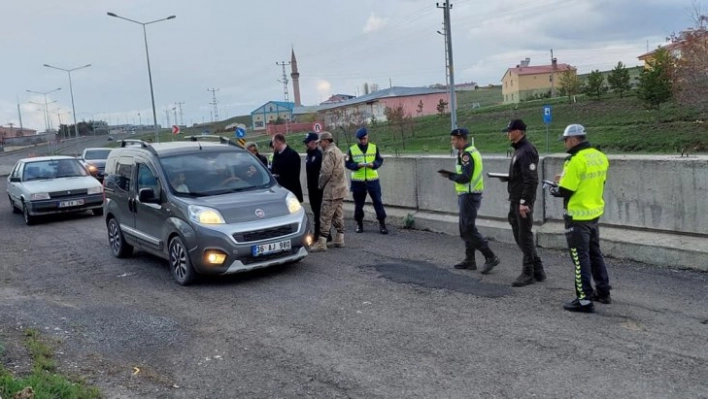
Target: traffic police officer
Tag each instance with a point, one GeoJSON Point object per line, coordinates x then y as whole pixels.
{"type": "Point", "coordinates": [581, 185]}
{"type": "Point", "coordinates": [522, 186]}
{"type": "Point", "coordinates": [363, 159]}
{"type": "Point", "coordinates": [469, 185]}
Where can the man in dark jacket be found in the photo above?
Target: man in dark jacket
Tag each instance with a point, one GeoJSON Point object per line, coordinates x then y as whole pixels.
{"type": "Point", "coordinates": [286, 166]}
{"type": "Point", "coordinates": [313, 165]}
{"type": "Point", "coordinates": [522, 185]}
{"type": "Point", "coordinates": [253, 149]}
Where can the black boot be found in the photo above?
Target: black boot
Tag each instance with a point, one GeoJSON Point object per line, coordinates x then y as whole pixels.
{"type": "Point", "coordinates": [490, 260]}
{"type": "Point", "coordinates": [525, 278]}
{"type": "Point", "coordinates": [578, 306]}
{"type": "Point", "coordinates": [538, 273]}
{"type": "Point", "coordinates": [469, 263]}
{"type": "Point", "coordinates": [359, 226]}
{"type": "Point", "coordinates": [382, 227]}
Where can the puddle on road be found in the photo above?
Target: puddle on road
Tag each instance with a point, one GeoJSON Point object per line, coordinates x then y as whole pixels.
{"type": "Point", "coordinates": [429, 276]}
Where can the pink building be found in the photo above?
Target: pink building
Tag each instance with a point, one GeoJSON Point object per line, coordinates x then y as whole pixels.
{"type": "Point", "coordinates": [9, 132]}
{"type": "Point", "coordinates": [416, 101]}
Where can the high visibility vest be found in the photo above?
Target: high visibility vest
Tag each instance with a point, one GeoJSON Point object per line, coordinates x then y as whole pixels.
{"type": "Point", "coordinates": [476, 183]}
{"type": "Point", "coordinates": [270, 160]}
{"type": "Point", "coordinates": [585, 173]}
{"type": "Point", "coordinates": [365, 173]}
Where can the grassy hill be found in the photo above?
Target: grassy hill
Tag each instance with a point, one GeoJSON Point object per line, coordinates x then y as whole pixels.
{"type": "Point", "coordinates": [617, 125]}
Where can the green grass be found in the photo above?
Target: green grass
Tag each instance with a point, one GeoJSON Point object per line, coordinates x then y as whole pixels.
{"type": "Point", "coordinates": [44, 380]}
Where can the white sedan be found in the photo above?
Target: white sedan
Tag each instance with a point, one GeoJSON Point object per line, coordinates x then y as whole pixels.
{"type": "Point", "coordinates": [53, 184]}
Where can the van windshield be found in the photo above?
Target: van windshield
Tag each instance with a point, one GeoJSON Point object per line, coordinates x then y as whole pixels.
{"type": "Point", "coordinates": [97, 154]}
{"type": "Point", "coordinates": [210, 172]}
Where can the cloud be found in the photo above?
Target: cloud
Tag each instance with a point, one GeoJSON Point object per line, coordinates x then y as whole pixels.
{"type": "Point", "coordinates": [324, 89]}
{"type": "Point", "coordinates": [374, 23]}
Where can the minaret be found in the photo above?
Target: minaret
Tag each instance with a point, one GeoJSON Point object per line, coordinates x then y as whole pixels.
{"type": "Point", "coordinates": [295, 75]}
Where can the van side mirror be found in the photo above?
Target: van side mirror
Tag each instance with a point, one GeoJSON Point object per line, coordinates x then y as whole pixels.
{"type": "Point", "coordinates": [147, 196]}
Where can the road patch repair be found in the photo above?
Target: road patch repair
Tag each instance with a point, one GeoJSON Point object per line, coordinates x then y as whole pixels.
{"type": "Point", "coordinates": [427, 275]}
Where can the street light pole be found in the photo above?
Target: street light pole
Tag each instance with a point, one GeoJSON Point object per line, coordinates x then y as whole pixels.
{"type": "Point", "coordinates": [147, 55]}
{"type": "Point", "coordinates": [46, 109]}
{"type": "Point", "coordinates": [71, 89]}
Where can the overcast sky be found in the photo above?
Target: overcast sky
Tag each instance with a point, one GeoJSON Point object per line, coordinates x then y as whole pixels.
{"type": "Point", "coordinates": [234, 46]}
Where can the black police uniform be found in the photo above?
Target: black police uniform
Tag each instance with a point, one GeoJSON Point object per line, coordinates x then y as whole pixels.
{"type": "Point", "coordinates": [313, 164]}
{"type": "Point", "coordinates": [522, 185]}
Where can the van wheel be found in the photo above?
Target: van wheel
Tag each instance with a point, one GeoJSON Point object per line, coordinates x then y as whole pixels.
{"type": "Point", "coordinates": [29, 219]}
{"type": "Point", "coordinates": [12, 204]}
{"type": "Point", "coordinates": [119, 248]}
{"type": "Point", "coordinates": [180, 264]}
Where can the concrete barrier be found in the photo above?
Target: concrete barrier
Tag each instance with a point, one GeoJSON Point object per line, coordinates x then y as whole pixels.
{"type": "Point", "coordinates": [656, 209]}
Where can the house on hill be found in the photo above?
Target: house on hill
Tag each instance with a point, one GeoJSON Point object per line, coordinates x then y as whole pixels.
{"type": "Point", "coordinates": [526, 82]}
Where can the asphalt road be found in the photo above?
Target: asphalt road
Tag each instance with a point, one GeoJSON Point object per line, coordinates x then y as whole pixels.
{"type": "Point", "coordinates": [385, 317]}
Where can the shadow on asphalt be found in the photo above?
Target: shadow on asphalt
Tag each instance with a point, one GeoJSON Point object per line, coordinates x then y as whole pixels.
{"type": "Point", "coordinates": [427, 275]}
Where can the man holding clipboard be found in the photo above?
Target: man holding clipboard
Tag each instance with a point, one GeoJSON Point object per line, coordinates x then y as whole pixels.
{"type": "Point", "coordinates": [469, 185]}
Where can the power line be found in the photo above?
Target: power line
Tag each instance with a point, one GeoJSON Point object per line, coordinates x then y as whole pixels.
{"type": "Point", "coordinates": [284, 80]}
{"type": "Point", "coordinates": [181, 113]}
{"type": "Point", "coordinates": [215, 114]}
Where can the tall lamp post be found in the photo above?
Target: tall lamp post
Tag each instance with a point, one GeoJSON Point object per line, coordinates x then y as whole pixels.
{"type": "Point", "coordinates": [46, 112]}
{"type": "Point", "coordinates": [71, 89]}
{"type": "Point", "coordinates": [147, 55]}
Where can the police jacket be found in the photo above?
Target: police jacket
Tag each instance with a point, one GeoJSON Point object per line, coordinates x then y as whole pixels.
{"type": "Point", "coordinates": [523, 173]}
{"type": "Point", "coordinates": [313, 164]}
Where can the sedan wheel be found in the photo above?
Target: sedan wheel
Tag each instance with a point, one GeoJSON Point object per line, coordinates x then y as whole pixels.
{"type": "Point", "coordinates": [29, 219]}
{"type": "Point", "coordinates": [180, 264]}
{"type": "Point", "coordinates": [119, 247]}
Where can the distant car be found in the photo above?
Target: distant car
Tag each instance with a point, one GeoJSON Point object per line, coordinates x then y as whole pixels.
{"type": "Point", "coordinates": [110, 138]}
{"type": "Point", "coordinates": [205, 207]}
{"type": "Point", "coordinates": [50, 185]}
{"type": "Point", "coordinates": [94, 159]}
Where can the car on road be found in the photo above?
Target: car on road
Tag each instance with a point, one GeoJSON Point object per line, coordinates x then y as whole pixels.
{"type": "Point", "coordinates": [50, 185]}
{"type": "Point", "coordinates": [94, 159]}
{"type": "Point", "coordinates": [206, 207]}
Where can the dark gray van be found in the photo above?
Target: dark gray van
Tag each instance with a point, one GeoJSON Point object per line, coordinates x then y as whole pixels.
{"type": "Point", "coordinates": [206, 207]}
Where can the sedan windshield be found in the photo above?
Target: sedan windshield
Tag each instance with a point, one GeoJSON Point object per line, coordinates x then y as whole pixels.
{"type": "Point", "coordinates": [207, 173]}
{"type": "Point", "coordinates": [97, 154]}
{"type": "Point", "coordinates": [53, 169]}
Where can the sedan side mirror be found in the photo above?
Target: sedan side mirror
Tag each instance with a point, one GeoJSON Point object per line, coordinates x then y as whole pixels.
{"type": "Point", "coordinates": [14, 180]}
{"type": "Point", "coordinates": [147, 196]}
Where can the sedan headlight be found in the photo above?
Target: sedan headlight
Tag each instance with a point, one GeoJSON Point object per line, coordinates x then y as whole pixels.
{"type": "Point", "coordinates": [39, 196]}
{"type": "Point", "coordinates": [91, 168]}
{"type": "Point", "coordinates": [293, 203]}
{"type": "Point", "coordinates": [95, 190]}
{"type": "Point", "coordinates": [204, 215]}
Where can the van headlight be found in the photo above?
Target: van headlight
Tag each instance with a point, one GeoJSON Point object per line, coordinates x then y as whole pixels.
{"type": "Point", "coordinates": [293, 203]}
{"type": "Point", "coordinates": [39, 196]}
{"type": "Point", "coordinates": [95, 190]}
{"type": "Point", "coordinates": [204, 215]}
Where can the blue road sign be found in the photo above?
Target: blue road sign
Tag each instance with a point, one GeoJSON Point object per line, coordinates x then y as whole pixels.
{"type": "Point", "coordinates": [547, 114]}
{"type": "Point", "coordinates": [240, 132]}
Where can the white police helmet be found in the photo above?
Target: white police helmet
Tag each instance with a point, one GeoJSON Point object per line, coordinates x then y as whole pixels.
{"type": "Point", "coordinates": [573, 130]}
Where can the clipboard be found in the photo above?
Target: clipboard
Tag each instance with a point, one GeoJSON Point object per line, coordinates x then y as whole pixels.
{"type": "Point", "coordinates": [498, 175]}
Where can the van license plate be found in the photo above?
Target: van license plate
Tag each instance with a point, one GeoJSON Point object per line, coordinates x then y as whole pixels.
{"type": "Point", "coordinates": [66, 204]}
{"type": "Point", "coordinates": [267, 249]}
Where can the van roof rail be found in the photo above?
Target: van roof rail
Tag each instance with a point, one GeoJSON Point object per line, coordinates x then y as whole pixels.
{"type": "Point", "coordinates": [137, 142]}
{"type": "Point", "coordinates": [222, 139]}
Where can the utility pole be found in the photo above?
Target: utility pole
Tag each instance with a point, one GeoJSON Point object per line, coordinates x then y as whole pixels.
{"type": "Point", "coordinates": [446, 6]}
{"type": "Point", "coordinates": [284, 81]}
{"type": "Point", "coordinates": [140, 120]}
{"type": "Point", "coordinates": [447, 66]}
{"type": "Point", "coordinates": [553, 71]}
{"type": "Point", "coordinates": [167, 117]}
{"type": "Point", "coordinates": [181, 113]}
{"type": "Point", "coordinates": [19, 113]}
{"type": "Point", "coordinates": [175, 110]}
{"type": "Point", "coordinates": [215, 115]}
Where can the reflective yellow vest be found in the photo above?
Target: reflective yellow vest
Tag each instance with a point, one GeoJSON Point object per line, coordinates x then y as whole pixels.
{"type": "Point", "coordinates": [585, 174]}
{"type": "Point", "coordinates": [365, 173]}
{"type": "Point", "coordinates": [476, 184]}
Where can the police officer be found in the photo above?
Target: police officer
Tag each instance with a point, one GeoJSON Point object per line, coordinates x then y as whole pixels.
{"type": "Point", "coordinates": [469, 185]}
{"type": "Point", "coordinates": [581, 185]}
{"type": "Point", "coordinates": [363, 159]}
{"type": "Point", "coordinates": [313, 164]}
{"type": "Point", "coordinates": [522, 185]}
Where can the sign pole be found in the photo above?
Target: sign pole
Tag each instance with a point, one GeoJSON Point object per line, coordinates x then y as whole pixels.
{"type": "Point", "coordinates": [548, 143]}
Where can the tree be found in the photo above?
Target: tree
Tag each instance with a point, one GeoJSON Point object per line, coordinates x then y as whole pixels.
{"type": "Point", "coordinates": [595, 85]}
{"type": "Point", "coordinates": [420, 107]}
{"type": "Point", "coordinates": [569, 83]}
{"type": "Point", "coordinates": [442, 106]}
{"type": "Point", "coordinates": [400, 121]}
{"type": "Point", "coordinates": [619, 80]}
{"type": "Point", "coordinates": [691, 75]}
{"type": "Point", "coordinates": [656, 81]}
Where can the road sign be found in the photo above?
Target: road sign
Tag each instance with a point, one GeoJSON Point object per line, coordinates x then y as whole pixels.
{"type": "Point", "coordinates": [317, 127]}
{"type": "Point", "coordinates": [175, 129]}
{"type": "Point", "coordinates": [240, 132]}
{"type": "Point", "coordinates": [547, 118]}
{"type": "Point", "coordinates": [242, 142]}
